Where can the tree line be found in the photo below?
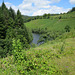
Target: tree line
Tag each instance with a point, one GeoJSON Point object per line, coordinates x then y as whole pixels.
{"type": "Point", "coordinates": [44, 16]}
{"type": "Point", "coordinates": [29, 18]}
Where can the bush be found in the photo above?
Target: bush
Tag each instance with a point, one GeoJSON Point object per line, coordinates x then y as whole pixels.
{"type": "Point", "coordinates": [67, 28]}
{"type": "Point", "coordinates": [16, 34]}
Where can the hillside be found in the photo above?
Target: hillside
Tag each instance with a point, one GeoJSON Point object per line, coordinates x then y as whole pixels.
{"type": "Point", "coordinates": [52, 58]}
{"type": "Point", "coordinates": [54, 23]}
{"type": "Point", "coordinates": [19, 57]}
{"type": "Point", "coordinates": [27, 18]}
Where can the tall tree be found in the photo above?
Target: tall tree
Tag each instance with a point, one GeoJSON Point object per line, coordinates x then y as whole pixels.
{"type": "Point", "coordinates": [11, 27]}
{"type": "Point", "coordinates": [45, 16]}
{"type": "Point", "coordinates": [48, 15]}
{"type": "Point", "coordinates": [4, 6]}
{"type": "Point", "coordinates": [19, 21]}
{"type": "Point", "coordinates": [5, 14]}
{"type": "Point", "coordinates": [2, 35]}
{"type": "Point", "coordinates": [2, 27]}
{"type": "Point", "coordinates": [12, 13]}
{"type": "Point", "coordinates": [73, 9]}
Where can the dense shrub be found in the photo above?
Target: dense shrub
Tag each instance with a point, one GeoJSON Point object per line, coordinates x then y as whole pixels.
{"type": "Point", "coordinates": [67, 28]}
{"type": "Point", "coordinates": [12, 26]}
{"type": "Point", "coordinates": [49, 36]}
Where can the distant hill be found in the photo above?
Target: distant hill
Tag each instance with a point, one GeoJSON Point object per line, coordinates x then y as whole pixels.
{"type": "Point", "coordinates": [54, 23]}
{"type": "Point", "coordinates": [48, 16]}
{"type": "Point", "coordinates": [25, 17]}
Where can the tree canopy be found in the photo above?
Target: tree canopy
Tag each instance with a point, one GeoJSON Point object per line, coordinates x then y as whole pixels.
{"type": "Point", "coordinates": [12, 26]}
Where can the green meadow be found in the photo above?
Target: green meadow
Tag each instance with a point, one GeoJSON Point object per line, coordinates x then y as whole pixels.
{"type": "Point", "coordinates": [53, 24]}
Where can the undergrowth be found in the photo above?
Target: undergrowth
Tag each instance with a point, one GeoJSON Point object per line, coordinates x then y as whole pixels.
{"type": "Point", "coordinates": [52, 58]}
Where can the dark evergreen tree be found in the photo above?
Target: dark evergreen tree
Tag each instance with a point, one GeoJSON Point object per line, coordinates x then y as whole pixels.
{"type": "Point", "coordinates": [2, 35]}
{"type": "Point", "coordinates": [12, 26]}
{"type": "Point", "coordinates": [2, 27]}
{"type": "Point", "coordinates": [73, 9]}
{"type": "Point", "coordinates": [12, 13]}
{"type": "Point", "coordinates": [5, 14]}
{"type": "Point", "coordinates": [4, 6]}
{"type": "Point", "coordinates": [19, 21]}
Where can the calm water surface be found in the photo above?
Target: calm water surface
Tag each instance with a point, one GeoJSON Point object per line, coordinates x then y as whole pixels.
{"type": "Point", "coordinates": [35, 38]}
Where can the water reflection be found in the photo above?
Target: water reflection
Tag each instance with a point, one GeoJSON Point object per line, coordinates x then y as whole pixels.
{"type": "Point", "coordinates": [35, 38]}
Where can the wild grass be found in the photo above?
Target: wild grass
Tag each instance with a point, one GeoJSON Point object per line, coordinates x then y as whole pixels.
{"type": "Point", "coordinates": [52, 58]}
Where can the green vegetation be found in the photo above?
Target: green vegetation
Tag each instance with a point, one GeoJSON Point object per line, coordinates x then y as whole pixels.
{"type": "Point", "coordinates": [52, 58]}
{"type": "Point", "coordinates": [73, 9]}
{"type": "Point", "coordinates": [12, 26]}
{"type": "Point", "coordinates": [53, 27]}
{"type": "Point", "coordinates": [67, 28]}
{"type": "Point", "coordinates": [70, 14]}
{"type": "Point", "coordinates": [55, 57]}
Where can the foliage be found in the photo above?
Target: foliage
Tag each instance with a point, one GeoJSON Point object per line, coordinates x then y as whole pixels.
{"type": "Point", "coordinates": [60, 17]}
{"type": "Point", "coordinates": [16, 34]}
{"type": "Point", "coordinates": [33, 45]}
{"type": "Point", "coordinates": [49, 36]}
{"type": "Point", "coordinates": [51, 16]}
{"type": "Point", "coordinates": [17, 49]}
{"type": "Point", "coordinates": [19, 20]}
{"type": "Point", "coordinates": [2, 27]}
{"type": "Point", "coordinates": [51, 25]}
{"type": "Point", "coordinates": [39, 30]}
{"type": "Point", "coordinates": [12, 13]}
{"type": "Point", "coordinates": [30, 18]}
{"type": "Point", "coordinates": [12, 26]}
{"type": "Point", "coordinates": [72, 10]}
{"type": "Point", "coordinates": [55, 57]}
{"type": "Point", "coordinates": [50, 29]}
{"type": "Point", "coordinates": [67, 28]}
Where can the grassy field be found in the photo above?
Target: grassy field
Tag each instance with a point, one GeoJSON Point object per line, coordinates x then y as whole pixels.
{"type": "Point", "coordinates": [52, 58]}
{"type": "Point", "coordinates": [53, 24]}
